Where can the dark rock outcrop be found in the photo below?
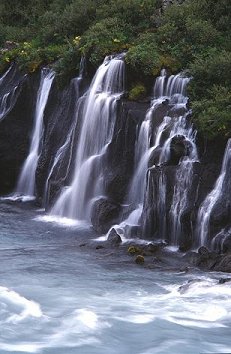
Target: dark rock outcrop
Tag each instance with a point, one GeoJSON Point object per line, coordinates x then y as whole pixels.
{"type": "Point", "coordinates": [104, 214]}
{"type": "Point", "coordinates": [114, 238]}
{"type": "Point", "coordinates": [16, 125]}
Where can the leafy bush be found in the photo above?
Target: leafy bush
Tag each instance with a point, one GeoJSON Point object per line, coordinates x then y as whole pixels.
{"type": "Point", "coordinates": [68, 65]}
{"type": "Point", "coordinates": [212, 115]}
{"type": "Point", "coordinates": [138, 14]}
{"type": "Point", "coordinates": [145, 56]}
{"type": "Point", "coordinates": [210, 68]}
{"type": "Point", "coordinates": [105, 37]}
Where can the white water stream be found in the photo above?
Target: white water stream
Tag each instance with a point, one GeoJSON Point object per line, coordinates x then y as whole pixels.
{"type": "Point", "coordinates": [98, 119]}
{"type": "Point", "coordinates": [26, 181]}
{"type": "Point", "coordinates": [219, 190]}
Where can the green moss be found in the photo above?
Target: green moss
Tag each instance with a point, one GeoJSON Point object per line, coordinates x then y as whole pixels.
{"type": "Point", "coordinates": [132, 250]}
{"type": "Point", "coordinates": [137, 93]}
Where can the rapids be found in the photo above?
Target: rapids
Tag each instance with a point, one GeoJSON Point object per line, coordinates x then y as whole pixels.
{"type": "Point", "coordinates": [59, 298]}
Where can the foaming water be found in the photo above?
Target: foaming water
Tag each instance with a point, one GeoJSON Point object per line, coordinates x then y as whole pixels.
{"type": "Point", "coordinates": [63, 221]}
{"type": "Point", "coordinates": [59, 298]}
{"type": "Point", "coordinates": [18, 198]}
{"type": "Point", "coordinates": [17, 308]}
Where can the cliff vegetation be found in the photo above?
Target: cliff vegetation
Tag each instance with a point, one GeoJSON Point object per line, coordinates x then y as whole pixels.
{"type": "Point", "coordinates": [193, 36]}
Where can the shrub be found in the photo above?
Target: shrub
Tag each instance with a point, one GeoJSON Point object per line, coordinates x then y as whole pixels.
{"type": "Point", "coordinates": [105, 37]}
{"type": "Point", "coordinates": [145, 56]}
{"type": "Point", "coordinates": [209, 68]}
{"type": "Point", "coordinates": [212, 115]}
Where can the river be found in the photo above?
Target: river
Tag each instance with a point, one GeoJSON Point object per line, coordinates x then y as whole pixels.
{"type": "Point", "coordinates": [59, 298]}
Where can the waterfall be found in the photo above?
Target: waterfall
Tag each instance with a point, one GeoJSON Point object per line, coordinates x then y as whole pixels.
{"type": "Point", "coordinates": [219, 192]}
{"type": "Point", "coordinates": [7, 102]}
{"type": "Point", "coordinates": [68, 144]}
{"type": "Point", "coordinates": [4, 76]}
{"type": "Point", "coordinates": [170, 92]}
{"type": "Point", "coordinates": [26, 182]}
{"type": "Point", "coordinates": [8, 95]}
{"type": "Point", "coordinates": [98, 119]}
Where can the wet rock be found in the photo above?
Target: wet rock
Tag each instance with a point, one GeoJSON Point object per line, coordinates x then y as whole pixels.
{"type": "Point", "coordinates": [131, 231]}
{"type": "Point", "coordinates": [139, 259]}
{"type": "Point", "coordinates": [192, 258]}
{"type": "Point", "coordinates": [207, 260]}
{"type": "Point", "coordinates": [224, 265]}
{"type": "Point", "coordinates": [104, 214]}
{"type": "Point", "coordinates": [226, 246]}
{"type": "Point", "coordinates": [16, 126]}
{"type": "Point", "coordinates": [99, 247]}
{"type": "Point", "coordinates": [82, 245]}
{"type": "Point", "coordinates": [224, 280]}
{"type": "Point", "coordinates": [185, 287]}
{"type": "Point", "coordinates": [203, 251]}
{"type": "Point", "coordinates": [114, 238]}
{"type": "Point", "coordinates": [185, 246]}
{"type": "Point", "coordinates": [179, 147]}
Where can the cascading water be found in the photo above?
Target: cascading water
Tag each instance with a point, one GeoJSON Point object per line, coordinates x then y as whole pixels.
{"type": "Point", "coordinates": [7, 101]}
{"type": "Point", "coordinates": [98, 119]}
{"type": "Point", "coordinates": [9, 95]}
{"type": "Point", "coordinates": [26, 182]}
{"type": "Point", "coordinates": [221, 189]}
{"type": "Point", "coordinates": [179, 127]}
{"type": "Point", "coordinates": [68, 144]}
{"type": "Point", "coordinates": [170, 90]}
{"type": "Point", "coordinates": [143, 152]}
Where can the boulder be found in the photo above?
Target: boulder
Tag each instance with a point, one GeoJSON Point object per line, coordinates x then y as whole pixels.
{"type": "Point", "coordinates": [224, 265]}
{"type": "Point", "coordinates": [114, 238]}
{"type": "Point", "coordinates": [179, 147]}
{"type": "Point", "coordinates": [139, 259]}
{"type": "Point", "coordinates": [104, 214]}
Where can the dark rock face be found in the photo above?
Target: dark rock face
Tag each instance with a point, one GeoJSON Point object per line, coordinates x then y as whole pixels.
{"type": "Point", "coordinates": [119, 160]}
{"type": "Point", "coordinates": [16, 126]}
{"type": "Point", "coordinates": [224, 265]}
{"type": "Point", "coordinates": [179, 147]}
{"type": "Point", "coordinates": [104, 214]}
{"type": "Point", "coordinates": [60, 122]}
{"type": "Point", "coordinates": [156, 218]}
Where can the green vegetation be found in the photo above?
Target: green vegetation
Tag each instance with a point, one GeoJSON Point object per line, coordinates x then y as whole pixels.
{"type": "Point", "coordinates": [137, 92]}
{"type": "Point", "coordinates": [193, 36]}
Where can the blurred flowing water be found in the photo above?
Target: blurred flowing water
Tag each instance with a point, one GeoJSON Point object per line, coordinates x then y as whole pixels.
{"type": "Point", "coordinates": [59, 298]}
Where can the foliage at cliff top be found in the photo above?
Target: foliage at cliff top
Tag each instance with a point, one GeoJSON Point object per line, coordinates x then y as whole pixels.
{"type": "Point", "coordinates": [189, 35]}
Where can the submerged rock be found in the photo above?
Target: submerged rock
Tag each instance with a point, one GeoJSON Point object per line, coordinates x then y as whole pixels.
{"type": "Point", "coordinates": [224, 280]}
{"type": "Point", "coordinates": [139, 259]}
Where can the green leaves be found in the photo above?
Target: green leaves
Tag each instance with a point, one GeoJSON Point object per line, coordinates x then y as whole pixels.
{"type": "Point", "coordinates": [105, 37]}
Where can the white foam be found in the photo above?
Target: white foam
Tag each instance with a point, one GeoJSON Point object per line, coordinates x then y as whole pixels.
{"type": "Point", "coordinates": [19, 307]}
{"type": "Point", "coordinates": [63, 221]}
{"type": "Point", "coordinates": [139, 318]}
{"type": "Point", "coordinates": [18, 198]}
{"type": "Point", "coordinates": [87, 318]}
{"type": "Point", "coordinates": [22, 347]}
